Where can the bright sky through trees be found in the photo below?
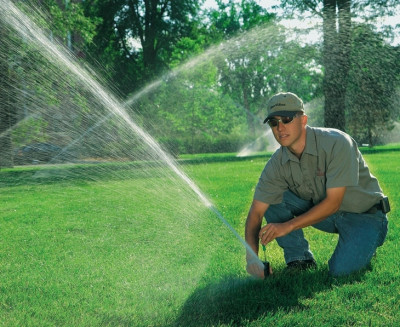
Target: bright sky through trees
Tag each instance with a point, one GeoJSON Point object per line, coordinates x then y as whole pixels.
{"type": "Point", "coordinates": [316, 33]}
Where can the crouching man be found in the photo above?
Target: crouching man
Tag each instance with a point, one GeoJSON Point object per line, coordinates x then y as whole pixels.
{"type": "Point", "coordinates": [317, 178]}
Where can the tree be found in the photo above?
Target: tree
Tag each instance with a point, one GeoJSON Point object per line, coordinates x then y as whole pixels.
{"type": "Point", "coordinates": [188, 112]}
{"type": "Point", "coordinates": [336, 15]}
{"type": "Point", "coordinates": [259, 61]}
{"type": "Point", "coordinates": [371, 102]}
{"type": "Point", "coordinates": [239, 60]}
{"type": "Point", "coordinates": [336, 52]}
{"type": "Point", "coordinates": [24, 88]}
{"type": "Point", "coordinates": [141, 33]}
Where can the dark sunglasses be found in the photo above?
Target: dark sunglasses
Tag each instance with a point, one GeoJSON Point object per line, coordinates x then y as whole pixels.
{"type": "Point", "coordinates": [273, 122]}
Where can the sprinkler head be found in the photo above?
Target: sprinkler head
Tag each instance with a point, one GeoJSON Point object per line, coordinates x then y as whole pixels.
{"type": "Point", "coordinates": [266, 269]}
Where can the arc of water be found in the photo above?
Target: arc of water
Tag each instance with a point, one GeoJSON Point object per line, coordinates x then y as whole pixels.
{"type": "Point", "coordinates": [253, 146]}
{"type": "Point", "coordinates": [30, 31]}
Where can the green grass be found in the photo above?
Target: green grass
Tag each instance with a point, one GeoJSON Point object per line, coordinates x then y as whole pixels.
{"type": "Point", "coordinates": [121, 245]}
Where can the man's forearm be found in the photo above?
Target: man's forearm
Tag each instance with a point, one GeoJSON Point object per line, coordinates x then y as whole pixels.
{"type": "Point", "coordinates": [311, 217]}
{"type": "Point", "coordinates": [325, 208]}
{"type": "Point", "coordinates": [253, 224]}
{"type": "Point", "coordinates": [251, 234]}
{"type": "Point", "coordinates": [317, 213]}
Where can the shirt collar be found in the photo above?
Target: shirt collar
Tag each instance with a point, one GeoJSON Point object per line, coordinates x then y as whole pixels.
{"type": "Point", "coordinates": [310, 148]}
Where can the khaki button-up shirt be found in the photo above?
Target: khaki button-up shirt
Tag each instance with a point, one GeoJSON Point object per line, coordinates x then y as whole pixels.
{"type": "Point", "coordinates": [330, 159]}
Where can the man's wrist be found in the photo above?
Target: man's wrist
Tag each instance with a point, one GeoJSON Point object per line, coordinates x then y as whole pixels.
{"type": "Point", "coordinates": [291, 225]}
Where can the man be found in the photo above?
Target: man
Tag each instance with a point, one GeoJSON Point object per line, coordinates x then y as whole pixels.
{"type": "Point", "coordinates": [317, 178]}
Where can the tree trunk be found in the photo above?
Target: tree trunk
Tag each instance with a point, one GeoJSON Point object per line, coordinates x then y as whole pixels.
{"type": "Point", "coordinates": [336, 56]}
{"type": "Point", "coordinates": [150, 48]}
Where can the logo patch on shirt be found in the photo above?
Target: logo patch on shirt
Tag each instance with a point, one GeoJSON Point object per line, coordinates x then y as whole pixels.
{"type": "Point", "coordinates": [320, 173]}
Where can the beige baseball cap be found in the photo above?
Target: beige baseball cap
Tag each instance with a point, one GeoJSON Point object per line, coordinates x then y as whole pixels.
{"type": "Point", "coordinates": [284, 104]}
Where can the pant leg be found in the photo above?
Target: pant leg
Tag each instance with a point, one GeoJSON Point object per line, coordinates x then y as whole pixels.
{"type": "Point", "coordinates": [359, 237]}
{"type": "Point", "coordinates": [294, 245]}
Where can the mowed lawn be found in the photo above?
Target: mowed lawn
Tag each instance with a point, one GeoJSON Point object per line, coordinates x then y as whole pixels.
{"type": "Point", "coordinates": [83, 247]}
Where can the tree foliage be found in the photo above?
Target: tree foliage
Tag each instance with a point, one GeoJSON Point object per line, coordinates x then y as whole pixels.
{"type": "Point", "coordinates": [199, 79]}
{"type": "Point", "coordinates": [372, 100]}
{"type": "Point", "coordinates": [140, 34]}
{"type": "Point", "coordinates": [259, 60]}
{"type": "Point", "coordinates": [337, 20]}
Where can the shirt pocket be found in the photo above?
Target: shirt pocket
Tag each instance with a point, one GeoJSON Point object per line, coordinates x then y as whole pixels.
{"type": "Point", "coordinates": [301, 190]}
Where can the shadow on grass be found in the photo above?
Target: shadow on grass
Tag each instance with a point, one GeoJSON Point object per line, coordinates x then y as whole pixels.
{"type": "Point", "coordinates": [234, 301]}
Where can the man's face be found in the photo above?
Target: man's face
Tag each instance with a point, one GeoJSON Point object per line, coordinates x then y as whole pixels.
{"type": "Point", "coordinates": [291, 133]}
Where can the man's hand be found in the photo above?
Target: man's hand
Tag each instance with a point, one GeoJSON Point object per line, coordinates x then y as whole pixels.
{"type": "Point", "coordinates": [271, 231]}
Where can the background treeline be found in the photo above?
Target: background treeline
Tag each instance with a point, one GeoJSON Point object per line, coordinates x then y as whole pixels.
{"type": "Point", "coordinates": [197, 79]}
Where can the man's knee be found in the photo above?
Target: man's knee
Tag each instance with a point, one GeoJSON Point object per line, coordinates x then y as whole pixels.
{"type": "Point", "coordinates": [290, 206]}
{"type": "Point", "coordinates": [278, 213]}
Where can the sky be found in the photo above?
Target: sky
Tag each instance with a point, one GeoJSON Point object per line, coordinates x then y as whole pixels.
{"type": "Point", "coordinates": [316, 33]}
{"type": "Point", "coordinates": [264, 3]}
{"type": "Point", "coordinates": [313, 36]}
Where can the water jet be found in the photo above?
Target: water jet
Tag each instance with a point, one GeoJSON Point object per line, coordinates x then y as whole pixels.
{"type": "Point", "coordinates": [108, 127]}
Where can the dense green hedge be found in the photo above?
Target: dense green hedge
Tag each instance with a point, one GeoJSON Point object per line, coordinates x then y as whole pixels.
{"type": "Point", "coordinates": [205, 144]}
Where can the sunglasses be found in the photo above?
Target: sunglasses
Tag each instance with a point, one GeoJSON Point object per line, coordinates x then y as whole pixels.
{"type": "Point", "coordinates": [273, 122]}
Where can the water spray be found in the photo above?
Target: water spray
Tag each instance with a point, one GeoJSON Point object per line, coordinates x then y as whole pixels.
{"type": "Point", "coordinates": [32, 33]}
{"type": "Point", "coordinates": [241, 240]}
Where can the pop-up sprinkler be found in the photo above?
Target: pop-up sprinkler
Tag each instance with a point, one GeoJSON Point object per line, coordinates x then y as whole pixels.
{"type": "Point", "coordinates": [265, 262]}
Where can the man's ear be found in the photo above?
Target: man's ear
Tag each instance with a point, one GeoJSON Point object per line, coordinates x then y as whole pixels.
{"type": "Point", "coordinates": [304, 119]}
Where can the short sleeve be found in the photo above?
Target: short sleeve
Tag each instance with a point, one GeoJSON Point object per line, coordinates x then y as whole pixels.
{"type": "Point", "coordinates": [342, 167]}
{"type": "Point", "coordinates": [271, 185]}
